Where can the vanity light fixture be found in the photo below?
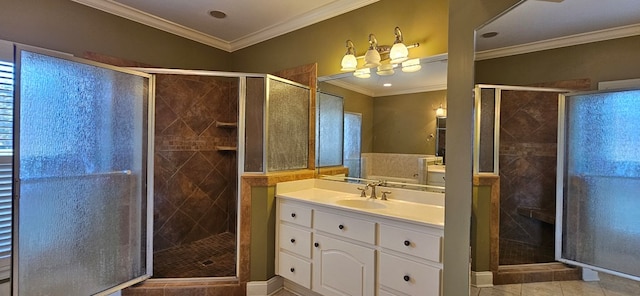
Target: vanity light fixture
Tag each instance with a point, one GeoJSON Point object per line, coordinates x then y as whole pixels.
{"type": "Point", "coordinates": [384, 57]}
{"type": "Point", "coordinates": [441, 112]}
{"type": "Point", "coordinates": [349, 62]}
{"type": "Point", "coordinates": [399, 52]}
{"type": "Point", "coordinates": [372, 57]}
{"type": "Point", "coordinates": [412, 65]}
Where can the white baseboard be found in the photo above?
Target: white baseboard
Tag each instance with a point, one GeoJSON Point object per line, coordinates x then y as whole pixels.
{"type": "Point", "coordinates": [482, 279]}
{"type": "Point", "coordinates": [589, 275]}
{"type": "Point", "coordinates": [265, 288]}
{"type": "Point", "coordinates": [298, 289]}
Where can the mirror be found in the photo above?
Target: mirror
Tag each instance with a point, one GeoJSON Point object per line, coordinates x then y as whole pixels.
{"type": "Point", "coordinates": [400, 137]}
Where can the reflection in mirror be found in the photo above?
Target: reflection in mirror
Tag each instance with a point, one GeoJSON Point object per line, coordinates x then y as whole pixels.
{"type": "Point", "coordinates": [391, 132]}
{"type": "Point", "coordinates": [352, 143]}
{"type": "Point", "coordinates": [441, 134]}
{"type": "Point", "coordinates": [329, 120]}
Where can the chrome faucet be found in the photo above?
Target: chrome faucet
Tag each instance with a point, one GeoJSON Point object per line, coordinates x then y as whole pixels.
{"type": "Point", "coordinates": [373, 189]}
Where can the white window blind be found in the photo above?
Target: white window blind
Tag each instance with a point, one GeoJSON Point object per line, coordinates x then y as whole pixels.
{"type": "Point", "coordinates": [6, 163]}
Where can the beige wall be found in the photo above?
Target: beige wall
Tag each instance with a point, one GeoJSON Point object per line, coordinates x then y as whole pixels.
{"type": "Point", "coordinates": [403, 123]}
{"type": "Point", "coordinates": [70, 27]}
{"type": "Point", "coordinates": [599, 61]}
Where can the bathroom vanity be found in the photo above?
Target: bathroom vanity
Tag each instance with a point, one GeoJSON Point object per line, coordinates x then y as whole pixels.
{"type": "Point", "coordinates": [332, 241]}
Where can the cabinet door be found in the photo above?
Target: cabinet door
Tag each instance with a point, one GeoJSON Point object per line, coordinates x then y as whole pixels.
{"type": "Point", "coordinates": [342, 268]}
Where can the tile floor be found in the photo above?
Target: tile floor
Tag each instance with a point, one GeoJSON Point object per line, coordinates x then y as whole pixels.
{"type": "Point", "coordinates": [607, 286]}
{"type": "Point", "coordinates": [213, 256]}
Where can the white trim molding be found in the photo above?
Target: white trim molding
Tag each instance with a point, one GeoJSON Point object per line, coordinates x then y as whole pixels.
{"type": "Point", "coordinates": [482, 279]}
{"type": "Point", "coordinates": [602, 35]}
{"type": "Point", "coordinates": [265, 288]}
{"type": "Point", "coordinates": [317, 15]}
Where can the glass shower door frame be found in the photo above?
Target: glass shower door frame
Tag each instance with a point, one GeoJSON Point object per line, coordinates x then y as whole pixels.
{"type": "Point", "coordinates": [562, 188]}
{"type": "Point", "coordinates": [146, 226]}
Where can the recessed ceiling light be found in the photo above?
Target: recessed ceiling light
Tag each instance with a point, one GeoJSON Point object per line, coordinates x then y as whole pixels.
{"type": "Point", "coordinates": [489, 35]}
{"type": "Point", "coordinates": [217, 14]}
{"type": "Point", "coordinates": [387, 85]}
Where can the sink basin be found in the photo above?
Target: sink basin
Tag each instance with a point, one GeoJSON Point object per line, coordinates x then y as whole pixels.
{"type": "Point", "coordinates": [361, 203]}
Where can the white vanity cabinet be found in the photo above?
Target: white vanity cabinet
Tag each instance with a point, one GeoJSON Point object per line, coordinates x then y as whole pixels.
{"type": "Point", "coordinates": [332, 251]}
{"type": "Point", "coordinates": [409, 260]}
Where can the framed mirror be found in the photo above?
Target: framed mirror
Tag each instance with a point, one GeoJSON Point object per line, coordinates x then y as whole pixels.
{"type": "Point", "coordinates": [398, 127]}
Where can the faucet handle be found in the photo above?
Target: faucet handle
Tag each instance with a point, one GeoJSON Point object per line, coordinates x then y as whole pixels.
{"type": "Point", "coordinates": [384, 195]}
{"type": "Point", "coordinates": [363, 191]}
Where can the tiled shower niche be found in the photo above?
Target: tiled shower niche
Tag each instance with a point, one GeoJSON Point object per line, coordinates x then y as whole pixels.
{"type": "Point", "coordinates": [195, 183]}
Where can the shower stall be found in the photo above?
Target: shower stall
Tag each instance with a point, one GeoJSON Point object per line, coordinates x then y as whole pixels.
{"type": "Point", "coordinates": [126, 174]}
{"type": "Point", "coordinates": [516, 140]}
{"type": "Point", "coordinates": [210, 128]}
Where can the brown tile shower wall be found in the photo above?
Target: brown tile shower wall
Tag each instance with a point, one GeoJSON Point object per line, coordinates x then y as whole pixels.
{"type": "Point", "coordinates": [528, 140]}
{"type": "Point", "coordinates": [195, 184]}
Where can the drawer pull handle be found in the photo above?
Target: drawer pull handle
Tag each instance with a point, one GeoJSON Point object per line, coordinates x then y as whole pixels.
{"type": "Point", "coordinates": [406, 278]}
{"type": "Point", "coordinates": [293, 215]}
{"type": "Point", "coordinates": [292, 269]}
{"type": "Point", "coordinates": [341, 226]}
{"type": "Point", "coordinates": [407, 243]}
{"type": "Point", "coordinates": [316, 245]}
{"type": "Point", "coordinates": [293, 240]}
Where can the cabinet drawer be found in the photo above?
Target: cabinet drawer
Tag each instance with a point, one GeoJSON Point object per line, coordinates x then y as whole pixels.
{"type": "Point", "coordinates": [295, 214]}
{"type": "Point", "coordinates": [410, 242]}
{"type": "Point", "coordinates": [357, 229]}
{"type": "Point", "coordinates": [295, 269]}
{"type": "Point", "coordinates": [408, 277]}
{"type": "Point", "coordinates": [295, 240]}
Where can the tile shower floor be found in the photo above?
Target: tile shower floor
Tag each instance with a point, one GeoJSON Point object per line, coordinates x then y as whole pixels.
{"type": "Point", "coordinates": [214, 256]}
{"type": "Point", "coordinates": [514, 252]}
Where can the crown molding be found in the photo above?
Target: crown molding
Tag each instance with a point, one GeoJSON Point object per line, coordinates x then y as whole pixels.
{"type": "Point", "coordinates": [370, 93]}
{"type": "Point", "coordinates": [150, 20]}
{"type": "Point", "coordinates": [428, 88]}
{"type": "Point", "coordinates": [352, 87]}
{"type": "Point", "coordinates": [317, 15]}
{"type": "Point", "coordinates": [328, 11]}
{"type": "Point", "coordinates": [595, 36]}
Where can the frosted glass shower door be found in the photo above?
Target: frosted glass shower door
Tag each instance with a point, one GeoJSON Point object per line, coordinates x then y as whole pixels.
{"type": "Point", "coordinates": [80, 171]}
{"type": "Point", "coordinates": [599, 188]}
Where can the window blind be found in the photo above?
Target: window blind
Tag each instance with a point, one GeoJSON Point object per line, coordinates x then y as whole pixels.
{"type": "Point", "coordinates": [6, 161]}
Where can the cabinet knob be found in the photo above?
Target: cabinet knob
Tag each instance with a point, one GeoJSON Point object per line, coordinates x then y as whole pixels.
{"type": "Point", "coordinates": [316, 245]}
{"type": "Point", "coordinates": [292, 269]}
{"type": "Point", "coordinates": [406, 278]}
{"type": "Point", "coordinates": [407, 243]}
{"type": "Point", "coordinates": [293, 215]}
{"type": "Point", "coordinates": [341, 226]}
{"type": "Point", "coordinates": [293, 240]}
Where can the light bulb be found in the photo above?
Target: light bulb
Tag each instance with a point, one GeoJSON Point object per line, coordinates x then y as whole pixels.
{"type": "Point", "coordinates": [399, 53]}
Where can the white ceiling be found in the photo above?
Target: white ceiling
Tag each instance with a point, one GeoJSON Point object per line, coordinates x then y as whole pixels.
{"type": "Point", "coordinates": [248, 21]}
{"type": "Point", "coordinates": [538, 24]}
{"type": "Point", "coordinates": [531, 26]}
